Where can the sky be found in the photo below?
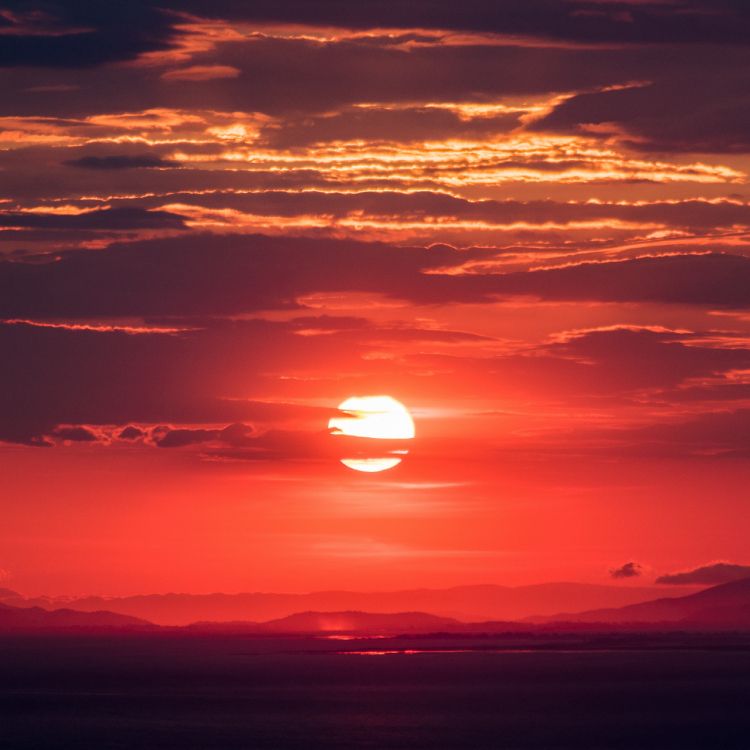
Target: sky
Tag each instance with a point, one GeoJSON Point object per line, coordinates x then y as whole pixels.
{"type": "Point", "coordinates": [528, 221]}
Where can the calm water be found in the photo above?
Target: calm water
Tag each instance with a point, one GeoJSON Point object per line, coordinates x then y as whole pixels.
{"type": "Point", "coordinates": [203, 693]}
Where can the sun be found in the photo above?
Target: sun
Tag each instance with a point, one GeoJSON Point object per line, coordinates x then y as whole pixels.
{"type": "Point", "coordinates": [376, 417]}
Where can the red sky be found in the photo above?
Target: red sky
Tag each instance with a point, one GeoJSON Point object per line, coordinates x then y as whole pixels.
{"type": "Point", "coordinates": [529, 224]}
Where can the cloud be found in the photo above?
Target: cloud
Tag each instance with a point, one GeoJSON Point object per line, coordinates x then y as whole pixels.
{"type": "Point", "coordinates": [399, 207]}
{"type": "Point", "coordinates": [710, 575]}
{"type": "Point", "coordinates": [202, 73]}
{"type": "Point", "coordinates": [241, 442]}
{"type": "Point", "coordinates": [121, 161]}
{"type": "Point", "coordinates": [679, 109]}
{"type": "Point", "coordinates": [307, 445]}
{"type": "Point", "coordinates": [419, 218]}
{"type": "Point", "coordinates": [632, 357]}
{"type": "Point", "coordinates": [204, 274]}
{"type": "Point", "coordinates": [234, 436]}
{"type": "Point", "coordinates": [314, 77]}
{"type": "Point", "coordinates": [76, 382]}
{"type": "Point", "coordinates": [399, 125]}
{"type": "Point", "coordinates": [365, 116]}
{"type": "Point", "coordinates": [101, 219]}
{"type": "Point", "coordinates": [77, 375]}
{"type": "Point", "coordinates": [75, 433]}
{"type": "Point", "coordinates": [715, 433]}
{"type": "Point", "coordinates": [628, 570]}
{"type": "Point", "coordinates": [213, 372]}
{"type": "Point", "coordinates": [82, 34]}
{"type": "Point", "coordinates": [131, 433]}
{"type": "Point", "coordinates": [619, 363]}
{"type": "Point", "coordinates": [576, 21]}
{"type": "Point", "coordinates": [583, 52]}
{"type": "Point", "coordinates": [717, 279]}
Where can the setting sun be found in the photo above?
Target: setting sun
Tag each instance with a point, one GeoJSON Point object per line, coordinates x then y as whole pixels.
{"type": "Point", "coordinates": [377, 417]}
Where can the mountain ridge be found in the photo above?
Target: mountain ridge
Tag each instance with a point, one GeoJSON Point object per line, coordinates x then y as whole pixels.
{"type": "Point", "coordinates": [726, 605]}
{"type": "Point", "coordinates": [478, 602]}
{"type": "Point", "coordinates": [26, 619]}
{"type": "Point", "coordinates": [722, 607]}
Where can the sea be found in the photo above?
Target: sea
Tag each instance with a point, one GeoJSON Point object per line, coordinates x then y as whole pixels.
{"type": "Point", "coordinates": [233, 692]}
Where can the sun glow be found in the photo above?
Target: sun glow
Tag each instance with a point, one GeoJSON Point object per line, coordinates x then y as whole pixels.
{"type": "Point", "coordinates": [375, 417]}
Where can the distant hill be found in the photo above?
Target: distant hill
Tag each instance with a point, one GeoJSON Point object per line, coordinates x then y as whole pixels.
{"type": "Point", "coordinates": [354, 623]}
{"type": "Point", "coordinates": [723, 607]}
{"type": "Point", "coordinates": [18, 619]}
{"type": "Point", "coordinates": [467, 603]}
{"type": "Point", "coordinates": [726, 606]}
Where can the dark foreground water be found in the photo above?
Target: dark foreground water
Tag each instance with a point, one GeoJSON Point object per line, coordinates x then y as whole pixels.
{"type": "Point", "coordinates": [223, 692]}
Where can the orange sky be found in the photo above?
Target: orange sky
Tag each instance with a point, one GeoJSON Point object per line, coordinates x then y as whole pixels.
{"type": "Point", "coordinates": [530, 227]}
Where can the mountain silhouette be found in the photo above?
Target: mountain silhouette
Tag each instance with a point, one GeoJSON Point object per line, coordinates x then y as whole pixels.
{"type": "Point", "coordinates": [24, 619]}
{"type": "Point", "coordinates": [339, 622]}
{"type": "Point", "coordinates": [725, 606]}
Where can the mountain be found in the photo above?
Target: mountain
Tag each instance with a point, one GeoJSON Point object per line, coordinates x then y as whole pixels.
{"type": "Point", "coordinates": [25, 619]}
{"type": "Point", "coordinates": [13, 598]}
{"type": "Point", "coordinates": [467, 603]}
{"type": "Point", "coordinates": [724, 606]}
{"type": "Point", "coordinates": [350, 623]}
